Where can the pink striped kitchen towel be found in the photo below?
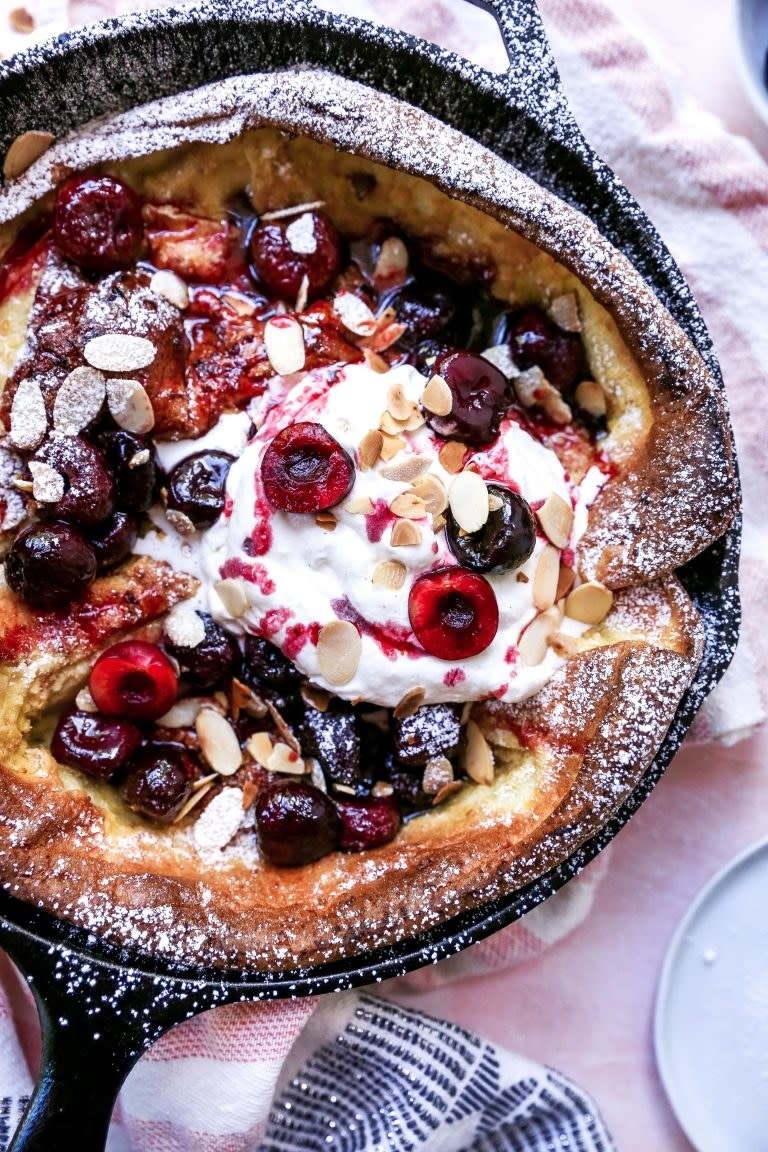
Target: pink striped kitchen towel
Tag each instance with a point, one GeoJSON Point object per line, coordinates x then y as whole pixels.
{"type": "Point", "coordinates": [360, 1072]}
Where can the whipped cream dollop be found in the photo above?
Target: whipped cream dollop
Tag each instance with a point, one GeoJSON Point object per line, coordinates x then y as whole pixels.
{"type": "Point", "coordinates": [291, 574]}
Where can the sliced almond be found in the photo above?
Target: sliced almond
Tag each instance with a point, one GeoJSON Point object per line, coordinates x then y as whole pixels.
{"type": "Point", "coordinates": [494, 502]}
{"type": "Point", "coordinates": [325, 520]}
{"type": "Point", "coordinates": [398, 404]}
{"type": "Point", "coordinates": [193, 801]}
{"type": "Point", "coordinates": [407, 469]}
{"type": "Point", "coordinates": [358, 506]}
{"type": "Point", "coordinates": [21, 20]}
{"type": "Point", "coordinates": [437, 773]}
{"type": "Point", "coordinates": [500, 355]}
{"type": "Point", "coordinates": [338, 651]}
{"type": "Point", "coordinates": [546, 577]}
{"type": "Point", "coordinates": [451, 455]}
{"type": "Point", "coordinates": [437, 397]}
{"type": "Point", "coordinates": [375, 362]}
{"type": "Point", "coordinates": [302, 296]}
{"type": "Point", "coordinates": [432, 491]}
{"type": "Point", "coordinates": [221, 820]}
{"type": "Point", "coordinates": [408, 506]}
{"type": "Point", "coordinates": [392, 261]}
{"type": "Point", "coordinates": [24, 150]}
{"type": "Point", "coordinates": [140, 458]}
{"type": "Point", "coordinates": [29, 420]}
{"type": "Point", "coordinates": [382, 788]}
{"type": "Point", "coordinates": [532, 645]}
{"type": "Point", "coordinates": [564, 310]}
{"type": "Point", "coordinates": [233, 596]}
{"type": "Point", "coordinates": [522, 578]}
{"type": "Point", "coordinates": [119, 352]}
{"type": "Point", "coordinates": [242, 698]}
{"type": "Point", "coordinates": [477, 759]}
{"type": "Point", "coordinates": [556, 519]}
{"type": "Point", "coordinates": [369, 449]}
{"type": "Point", "coordinates": [405, 534]}
{"type": "Point", "coordinates": [130, 406]}
{"type": "Point", "coordinates": [438, 523]}
{"type": "Point", "coordinates": [468, 500]}
{"type": "Point", "coordinates": [48, 485]}
{"type": "Point", "coordinates": [389, 574]}
{"type": "Point", "coordinates": [563, 645]}
{"type": "Point", "coordinates": [283, 727]}
{"type": "Point", "coordinates": [296, 210]}
{"type": "Point", "coordinates": [390, 425]}
{"type": "Point", "coordinates": [184, 627]}
{"type": "Point", "coordinates": [171, 287]}
{"type": "Point", "coordinates": [259, 747]}
{"type": "Point", "coordinates": [390, 446]}
{"type": "Point", "coordinates": [315, 696]}
{"type": "Point", "coordinates": [409, 703]}
{"type": "Point", "coordinates": [590, 396]}
{"type": "Point", "coordinates": [417, 419]}
{"type": "Point", "coordinates": [564, 581]}
{"type": "Point", "coordinates": [533, 388]}
{"type": "Point", "coordinates": [284, 759]}
{"type": "Point", "coordinates": [590, 603]}
{"type": "Point", "coordinates": [218, 742]}
{"type": "Point", "coordinates": [184, 713]}
{"type": "Point", "coordinates": [448, 790]}
{"type": "Point", "coordinates": [85, 702]}
{"type": "Point", "coordinates": [284, 342]}
{"type": "Point", "coordinates": [180, 522]}
{"type": "Point", "coordinates": [354, 313]}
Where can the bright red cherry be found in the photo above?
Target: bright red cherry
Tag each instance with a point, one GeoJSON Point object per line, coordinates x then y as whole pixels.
{"type": "Point", "coordinates": [97, 223]}
{"type": "Point", "coordinates": [367, 822]}
{"type": "Point", "coordinates": [284, 252]}
{"type": "Point", "coordinates": [133, 679]}
{"type": "Point", "coordinates": [305, 470]}
{"type": "Point", "coordinates": [454, 614]}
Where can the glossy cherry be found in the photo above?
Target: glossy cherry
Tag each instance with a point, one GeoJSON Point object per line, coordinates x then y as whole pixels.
{"type": "Point", "coordinates": [97, 223]}
{"type": "Point", "coordinates": [50, 564]}
{"type": "Point", "coordinates": [210, 661]}
{"type": "Point", "coordinates": [367, 822]}
{"type": "Point", "coordinates": [89, 491]}
{"type": "Point", "coordinates": [536, 341]}
{"type": "Point", "coordinates": [480, 398]}
{"type": "Point", "coordinates": [131, 460]}
{"type": "Point", "coordinates": [297, 823]}
{"type": "Point", "coordinates": [133, 679]}
{"type": "Point", "coordinates": [113, 540]}
{"type": "Point", "coordinates": [431, 731]}
{"type": "Point", "coordinates": [305, 469]}
{"type": "Point", "coordinates": [284, 252]}
{"type": "Point", "coordinates": [505, 541]}
{"type": "Point", "coordinates": [197, 486]}
{"type": "Point", "coordinates": [97, 745]}
{"type": "Point", "coordinates": [454, 614]}
{"type": "Point", "coordinates": [158, 781]}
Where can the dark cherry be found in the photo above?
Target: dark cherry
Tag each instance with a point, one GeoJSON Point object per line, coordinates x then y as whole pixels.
{"type": "Point", "coordinates": [424, 355]}
{"type": "Point", "coordinates": [367, 822]}
{"type": "Point", "coordinates": [425, 309]}
{"type": "Point", "coordinates": [134, 679]}
{"type": "Point", "coordinates": [407, 785]}
{"type": "Point", "coordinates": [297, 823]}
{"type": "Point", "coordinates": [431, 731]}
{"type": "Point", "coordinates": [284, 252]}
{"type": "Point", "coordinates": [505, 541]}
{"type": "Point", "coordinates": [536, 342]}
{"type": "Point", "coordinates": [210, 661]}
{"type": "Point", "coordinates": [89, 494]}
{"type": "Point", "coordinates": [113, 540]}
{"type": "Point", "coordinates": [265, 667]}
{"type": "Point", "coordinates": [454, 614]}
{"type": "Point", "coordinates": [158, 781]}
{"type": "Point", "coordinates": [97, 745]}
{"type": "Point", "coordinates": [305, 469]}
{"type": "Point", "coordinates": [480, 398]}
{"type": "Point", "coordinates": [333, 737]}
{"type": "Point", "coordinates": [197, 486]}
{"type": "Point", "coordinates": [50, 564]}
{"type": "Point", "coordinates": [97, 223]}
{"type": "Point", "coordinates": [134, 483]}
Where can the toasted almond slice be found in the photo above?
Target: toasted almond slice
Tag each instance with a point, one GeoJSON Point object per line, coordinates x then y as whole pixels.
{"type": "Point", "coordinates": [437, 773]}
{"type": "Point", "coordinates": [375, 362]}
{"type": "Point", "coordinates": [398, 404]}
{"type": "Point", "coordinates": [22, 485]}
{"type": "Point", "coordinates": [119, 352]}
{"type": "Point", "coordinates": [284, 759]}
{"type": "Point", "coordinates": [564, 310]}
{"type": "Point", "coordinates": [251, 790]}
{"type": "Point", "coordinates": [564, 581]}
{"type": "Point", "coordinates": [494, 502]}
{"type": "Point", "coordinates": [468, 500]}
{"type": "Point", "coordinates": [407, 469]}
{"type": "Point", "coordinates": [590, 603]}
{"type": "Point", "coordinates": [437, 397]}
{"type": "Point", "coordinates": [591, 397]}
{"type": "Point", "coordinates": [220, 821]}
{"type": "Point", "coordinates": [29, 421]}
{"type": "Point", "coordinates": [139, 458]}
{"type": "Point", "coordinates": [338, 651]}
{"type": "Point", "coordinates": [358, 506]}
{"type": "Point", "coordinates": [392, 261]}
{"type": "Point", "coordinates": [500, 355]}
{"type": "Point", "coordinates": [546, 577]}
{"type": "Point", "coordinates": [171, 287]}
{"type": "Point", "coordinates": [391, 445]}
{"type": "Point", "coordinates": [302, 296]}
{"type": "Point", "coordinates": [315, 696]}
{"type": "Point", "coordinates": [284, 342]}
{"type": "Point", "coordinates": [296, 210]}
{"type": "Point", "coordinates": [24, 150]}
{"type": "Point", "coordinates": [556, 519]}
{"type": "Point", "coordinates": [180, 522]}
{"type": "Point", "coordinates": [381, 788]}
{"type": "Point", "coordinates": [451, 455]}
{"type": "Point", "coordinates": [408, 506]}
{"type": "Point", "coordinates": [477, 759]}
{"type": "Point", "coordinates": [193, 801]}
{"type": "Point", "coordinates": [432, 491]}
{"type": "Point", "coordinates": [184, 626]}
{"type": "Point", "coordinates": [218, 742]}
{"type": "Point", "coordinates": [563, 645]}
{"type": "Point", "coordinates": [438, 523]}
{"type": "Point", "coordinates": [130, 406]}
{"type": "Point", "coordinates": [389, 574]}
{"type": "Point", "coordinates": [184, 712]}
{"type": "Point", "coordinates": [233, 596]}
{"type": "Point", "coordinates": [242, 698]}
{"type": "Point", "coordinates": [405, 534]}
{"type": "Point", "coordinates": [532, 645]}
{"type": "Point", "coordinates": [21, 20]}
{"type": "Point", "coordinates": [409, 703]}
{"type": "Point", "coordinates": [283, 727]}
{"type": "Point", "coordinates": [85, 702]}
{"type": "Point", "coordinates": [354, 313]}
{"type": "Point", "coordinates": [369, 449]}
{"type": "Point", "coordinates": [48, 485]}
{"type": "Point", "coordinates": [417, 419]}
{"type": "Point", "coordinates": [325, 520]}
{"type": "Point", "coordinates": [259, 746]}
{"type": "Point", "coordinates": [522, 578]}
{"type": "Point", "coordinates": [448, 790]}
{"type": "Point", "coordinates": [79, 400]}
{"type": "Point", "coordinates": [389, 425]}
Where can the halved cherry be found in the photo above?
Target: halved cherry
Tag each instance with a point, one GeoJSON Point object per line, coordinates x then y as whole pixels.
{"type": "Point", "coordinates": [454, 614]}
{"type": "Point", "coordinates": [97, 223]}
{"type": "Point", "coordinates": [305, 470]}
{"type": "Point", "coordinates": [284, 252]}
{"type": "Point", "coordinates": [134, 679]}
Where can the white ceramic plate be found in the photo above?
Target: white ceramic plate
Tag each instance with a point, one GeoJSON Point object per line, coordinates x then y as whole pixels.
{"type": "Point", "coordinates": [711, 1021]}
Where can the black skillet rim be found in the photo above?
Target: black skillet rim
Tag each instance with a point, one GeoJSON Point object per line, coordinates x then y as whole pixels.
{"type": "Point", "coordinates": [523, 126]}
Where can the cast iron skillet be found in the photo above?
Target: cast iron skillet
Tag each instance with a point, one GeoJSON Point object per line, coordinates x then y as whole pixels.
{"type": "Point", "coordinates": [101, 1007]}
